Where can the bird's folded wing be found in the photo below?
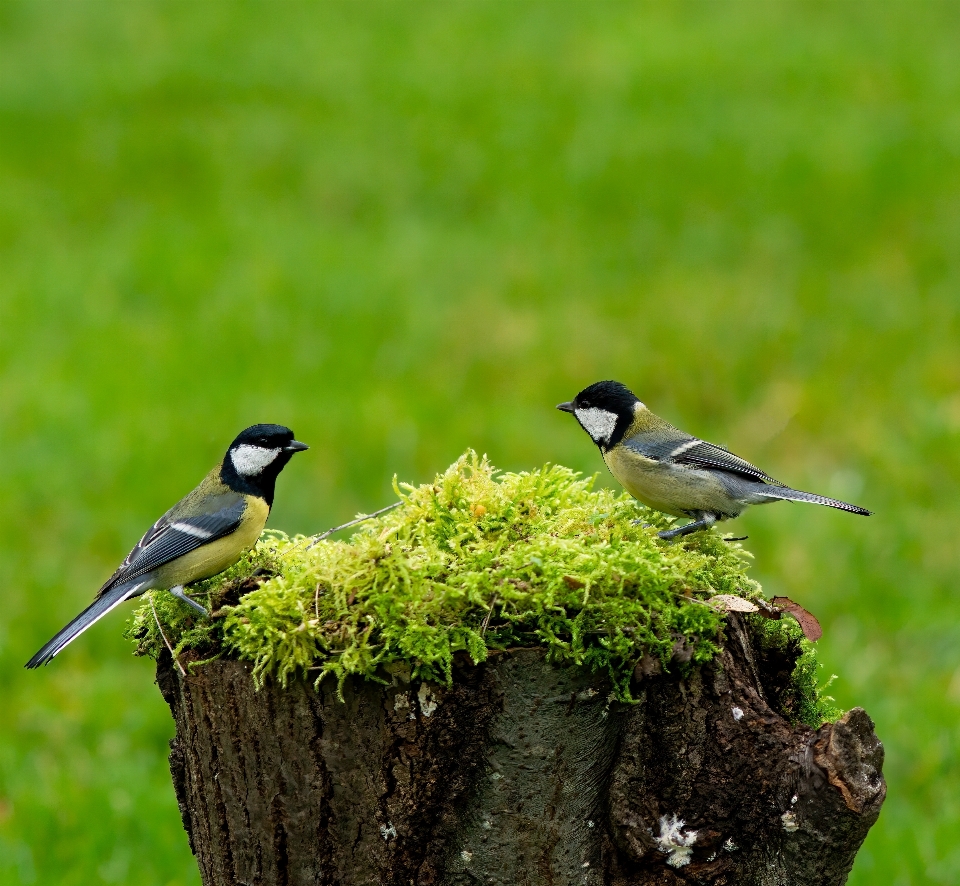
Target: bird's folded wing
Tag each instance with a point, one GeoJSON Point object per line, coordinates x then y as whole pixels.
{"type": "Point", "coordinates": [696, 453]}
{"type": "Point", "coordinates": [174, 535]}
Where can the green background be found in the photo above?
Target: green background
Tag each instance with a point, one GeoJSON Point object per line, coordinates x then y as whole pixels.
{"type": "Point", "coordinates": [407, 229]}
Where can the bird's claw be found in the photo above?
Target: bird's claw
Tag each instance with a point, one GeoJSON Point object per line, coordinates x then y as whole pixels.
{"type": "Point", "coordinates": [180, 595]}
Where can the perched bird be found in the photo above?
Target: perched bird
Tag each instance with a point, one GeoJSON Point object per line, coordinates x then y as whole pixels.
{"type": "Point", "coordinates": [671, 471]}
{"type": "Point", "coordinates": [201, 535]}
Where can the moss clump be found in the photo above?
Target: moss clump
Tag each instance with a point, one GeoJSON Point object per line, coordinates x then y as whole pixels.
{"type": "Point", "coordinates": [470, 563]}
{"type": "Point", "coordinates": [797, 692]}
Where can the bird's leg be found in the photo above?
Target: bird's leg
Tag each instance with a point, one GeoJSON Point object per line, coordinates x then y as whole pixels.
{"type": "Point", "coordinates": [705, 522]}
{"type": "Point", "coordinates": [180, 595]}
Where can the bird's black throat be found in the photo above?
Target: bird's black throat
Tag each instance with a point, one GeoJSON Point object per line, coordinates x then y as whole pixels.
{"type": "Point", "coordinates": [262, 485]}
{"type": "Point", "coordinates": [624, 420]}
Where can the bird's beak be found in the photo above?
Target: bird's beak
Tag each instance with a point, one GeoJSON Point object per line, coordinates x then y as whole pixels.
{"type": "Point", "coordinates": [295, 446]}
{"type": "Point", "coordinates": [565, 407]}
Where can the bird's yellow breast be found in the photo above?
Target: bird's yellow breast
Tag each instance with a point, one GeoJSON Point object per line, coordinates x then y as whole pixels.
{"type": "Point", "coordinates": [209, 559]}
{"type": "Point", "coordinates": [676, 490]}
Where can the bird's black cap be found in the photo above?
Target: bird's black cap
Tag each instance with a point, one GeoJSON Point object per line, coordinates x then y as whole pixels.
{"type": "Point", "coordinates": [269, 437]}
{"type": "Point", "coordinates": [610, 395]}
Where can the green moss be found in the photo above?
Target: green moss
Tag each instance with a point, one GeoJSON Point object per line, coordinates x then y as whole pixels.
{"type": "Point", "coordinates": [472, 562]}
{"type": "Point", "coordinates": [801, 697]}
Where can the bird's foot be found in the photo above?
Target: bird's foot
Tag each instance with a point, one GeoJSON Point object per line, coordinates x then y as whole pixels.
{"type": "Point", "coordinates": [180, 595]}
{"type": "Point", "coordinates": [700, 525]}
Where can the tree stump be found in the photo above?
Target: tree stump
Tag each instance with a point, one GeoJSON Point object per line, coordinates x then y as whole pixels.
{"type": "Point", "coordinates": [519, 773]}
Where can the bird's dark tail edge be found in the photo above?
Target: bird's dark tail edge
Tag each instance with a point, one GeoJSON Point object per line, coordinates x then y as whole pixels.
{"type": "Point", "coordinates": [92, 614]}
{"type": "Point", "coordinates": [788, 494]}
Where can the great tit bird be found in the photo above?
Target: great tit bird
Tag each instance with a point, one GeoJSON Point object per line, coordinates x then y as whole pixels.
{"type": "Point", "coordinates": [671, 471]}
{"type": "Point", "coordinates": [201, 535]}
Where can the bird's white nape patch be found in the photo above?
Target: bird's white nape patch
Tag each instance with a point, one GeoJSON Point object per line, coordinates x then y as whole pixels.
{"type": "Point", "coordinates": [598, 423]}
{"type": "Point", "coordinates": [251, 460]}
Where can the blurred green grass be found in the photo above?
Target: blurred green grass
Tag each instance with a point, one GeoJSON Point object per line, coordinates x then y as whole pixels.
{"type": "Point", "coordinates": [405, 229]}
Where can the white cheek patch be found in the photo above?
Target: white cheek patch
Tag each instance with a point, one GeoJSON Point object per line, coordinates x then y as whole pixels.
{"type": "Point", "coordinates": [598, 423]}
{"type": "Point", "coordinates": [251, 460]}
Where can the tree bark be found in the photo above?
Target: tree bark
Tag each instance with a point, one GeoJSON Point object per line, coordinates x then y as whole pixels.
{"type": "Point", "coordinates": [520, 773]}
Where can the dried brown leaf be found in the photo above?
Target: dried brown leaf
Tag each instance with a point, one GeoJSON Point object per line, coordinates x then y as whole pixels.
{"type": "Point", "coordinates": [808, 622]}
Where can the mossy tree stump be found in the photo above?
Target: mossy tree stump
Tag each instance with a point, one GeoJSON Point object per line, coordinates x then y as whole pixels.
{"type": "Point", "coordinates": [584, 711]}
{"type": "Point", "coordinates": [520, 772]}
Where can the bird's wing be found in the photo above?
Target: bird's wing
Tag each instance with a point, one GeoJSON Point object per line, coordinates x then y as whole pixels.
{"type": "Point", "coordinates": [174, 535]}
{"type": "Point", "coordinates": [687, 450]}
{"type": "Point", "coordinates": [708, 455]}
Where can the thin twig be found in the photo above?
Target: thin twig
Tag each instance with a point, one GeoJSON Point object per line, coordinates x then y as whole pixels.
{"type": "Point", "coordinates": [486, 621]}
{"type": "Point", "coordinates": [707, 603]}
{"type": "Point", "coordinates": [165, 640]}
{"type": "Point", "coordinates": [319, 538]}
{"type": "Point", "coordinates": [694, 600]}
{"type": "Point", "coordinates": [510, 649]}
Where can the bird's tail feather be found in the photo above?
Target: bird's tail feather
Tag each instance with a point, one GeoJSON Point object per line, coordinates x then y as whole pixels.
{"type": "Point", "coordinates": [788, 494]}
{"type": "Point", "coordinates": [93, 613]}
